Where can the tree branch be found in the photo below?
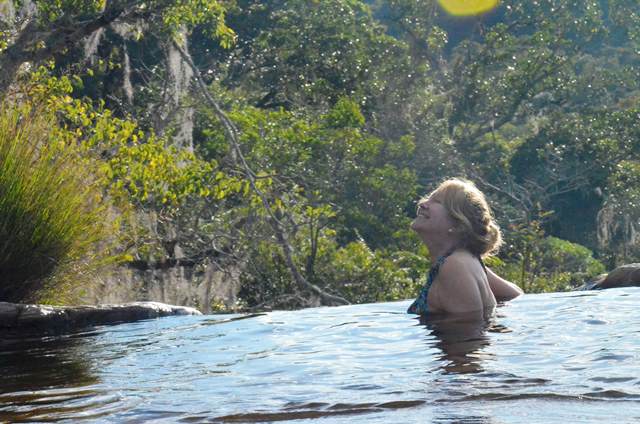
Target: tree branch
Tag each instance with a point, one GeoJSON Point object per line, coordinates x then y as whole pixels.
{"type": "Point", "coordinates": [232, 136]}
{"type": "Point", "coordinates": [36, 45]}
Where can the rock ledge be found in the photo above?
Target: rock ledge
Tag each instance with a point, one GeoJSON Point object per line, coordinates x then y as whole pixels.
{"type": "Point", "coordinates": [623, 276]}
{"type": "Point", "coordinates": [26, 320]}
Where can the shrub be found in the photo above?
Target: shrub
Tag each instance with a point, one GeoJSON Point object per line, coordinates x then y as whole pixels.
{"type": "Point", "coordinates": [363, 275]}
{"type": "Point", "coordinates": [555, 265]}
{"type": "Point", "coordinates": [53, 214]}
{"type": "Point", "coordinates": [571, 257]}
{"type": "Point", "coordinates": [354, 271]}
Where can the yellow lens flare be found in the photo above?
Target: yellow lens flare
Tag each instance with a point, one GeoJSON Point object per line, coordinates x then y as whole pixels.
{"type": "Point", "coordinates": [467, 7]}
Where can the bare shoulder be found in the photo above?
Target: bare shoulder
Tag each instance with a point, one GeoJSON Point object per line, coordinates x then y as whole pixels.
{"type": "Point", "coordinates": [458, 283]}
{"type": "Point", "coordinates": [458, 271]}
{"type": "Point", "coordinates": [461, 266]}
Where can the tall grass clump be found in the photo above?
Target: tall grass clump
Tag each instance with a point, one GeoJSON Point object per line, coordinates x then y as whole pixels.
{"type": "Point", "coordinates": [52, 211]}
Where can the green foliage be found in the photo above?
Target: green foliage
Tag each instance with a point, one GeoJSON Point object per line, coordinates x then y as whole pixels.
{"type": "Point", "coordinates": [541, 283]}
{"type": "Point", "coordinates": [564, 256]}
{"type": "Point", "coordinates": [624, 186]}
{"type": "Point", "coordinates": [364, 276]}
{"type": "Point", "coordinates": [52, 10]}
{"type": "Point", "coordinates": [345, 114]}
{"type": "Point", "coordinates": [192, 13]}
{"type": "Point", "coordinates": [266, 281]}
{"type": "Point", "coordinates": [54, 217]}
{"type": "Point", "coordinates": [311, 54]}
{"type": "Point", "coordinates": [540, 263]}
{"type": "Point", "coordinates": [152, 172]}
{"type": "Point", "coordinates": [524, 242]}
{"type": "Point", "coordinates": [620, 217]}
{"type": "Point", "coordinates": [324, 173]}
{"type": "Point", "coordinates": [347, 110]}
{"type": "Point", "coordinates": [125, 169]}
{"type": "Point", "coordinates": [4, 36]}
{"type": "Point", "coordinates": [353, 271]}
{"type": "Point", "coordinates": [175, 16]}
{"type": "Point", "coordinates": [327, 160]}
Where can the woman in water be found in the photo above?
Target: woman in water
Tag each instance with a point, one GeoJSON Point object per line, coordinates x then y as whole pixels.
{"type": "Point", "coordinates": [456, 224]}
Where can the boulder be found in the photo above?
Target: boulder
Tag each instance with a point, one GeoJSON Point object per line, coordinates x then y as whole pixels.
{"type": "Point", "coordinates": [623, 276]}
{"type": "Point", "coordinates": [28, 320]}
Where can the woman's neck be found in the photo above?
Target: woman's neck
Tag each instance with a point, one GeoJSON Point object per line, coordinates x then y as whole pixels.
{"type": "Point", "coordinates": [439, 248]}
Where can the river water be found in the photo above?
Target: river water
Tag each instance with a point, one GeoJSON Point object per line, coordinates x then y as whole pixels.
{"type": "Point", "coordinates": [558, 357]}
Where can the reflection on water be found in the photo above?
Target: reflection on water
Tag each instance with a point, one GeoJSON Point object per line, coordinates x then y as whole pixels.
{"type": "Point", "coordinates": [542, 358]}
{"type": "Point", "coordinates": [41, 375]}
{"type": "Point", "coordinates": [461, 340]}
{"type": "Point", "coordinates": [34, 364]}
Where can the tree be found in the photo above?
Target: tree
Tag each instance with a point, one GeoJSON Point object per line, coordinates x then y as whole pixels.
{"type": "Point", "coordinates": [56, 27]}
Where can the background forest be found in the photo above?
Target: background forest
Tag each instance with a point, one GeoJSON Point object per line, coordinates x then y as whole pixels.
{"type": "Point", "coordinates": [284, 144]}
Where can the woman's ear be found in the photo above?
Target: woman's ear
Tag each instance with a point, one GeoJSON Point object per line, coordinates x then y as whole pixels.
{"type": "Point", "coordinates": [456, 229]}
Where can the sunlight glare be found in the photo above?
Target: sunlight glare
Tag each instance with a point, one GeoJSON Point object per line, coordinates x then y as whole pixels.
{"type": "Point", "coordinates": [467, 7]}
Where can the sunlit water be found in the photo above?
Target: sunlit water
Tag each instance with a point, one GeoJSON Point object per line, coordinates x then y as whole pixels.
{"type": "Point", "coordinates": [564, 357]}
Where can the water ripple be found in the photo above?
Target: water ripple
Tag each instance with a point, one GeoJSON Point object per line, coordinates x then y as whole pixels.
{"type": "Point", "coordinates": [561, 357]}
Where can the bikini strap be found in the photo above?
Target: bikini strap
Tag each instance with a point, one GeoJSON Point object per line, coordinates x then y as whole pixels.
{"type": "Point", "coordinates": [435, 269]}
{"type": "Point", "coordinates": [419, 306]}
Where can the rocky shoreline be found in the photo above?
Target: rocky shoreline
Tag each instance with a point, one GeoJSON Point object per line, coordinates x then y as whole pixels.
{"type": "Point", "coordinates": [623, 276]}
{"type": "Point", "coordinates": [22, 320]}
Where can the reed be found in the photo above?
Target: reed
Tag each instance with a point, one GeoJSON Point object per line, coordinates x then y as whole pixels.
{"type": "Point", "coordinates": [52, 212]}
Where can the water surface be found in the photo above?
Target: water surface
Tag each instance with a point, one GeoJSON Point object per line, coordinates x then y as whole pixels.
{"type": "Point", "coordinates": [562, 357]}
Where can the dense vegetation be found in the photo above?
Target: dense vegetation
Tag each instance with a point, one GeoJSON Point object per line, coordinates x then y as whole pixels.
{"type": "Point", "coordinates": [286, 142]}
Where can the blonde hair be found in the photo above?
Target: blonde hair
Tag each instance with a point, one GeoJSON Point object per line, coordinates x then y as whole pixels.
{"type": "Point", "coordinates": [470, 211]}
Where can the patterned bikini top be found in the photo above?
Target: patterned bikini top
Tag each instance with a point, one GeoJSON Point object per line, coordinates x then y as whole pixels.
{"type": "Point", "coordinates": [419, 306]}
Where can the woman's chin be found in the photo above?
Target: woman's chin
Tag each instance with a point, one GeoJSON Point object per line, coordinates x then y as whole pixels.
{"type": "Point", "coordinates": [416, 227]}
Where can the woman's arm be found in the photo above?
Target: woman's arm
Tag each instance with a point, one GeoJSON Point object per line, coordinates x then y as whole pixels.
{"type": "Point", "coordinates": [501, 288]}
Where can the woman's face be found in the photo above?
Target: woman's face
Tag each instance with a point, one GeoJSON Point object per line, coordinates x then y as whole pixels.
{"type": "Point", "coordinates": [432, 218]}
